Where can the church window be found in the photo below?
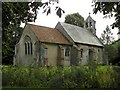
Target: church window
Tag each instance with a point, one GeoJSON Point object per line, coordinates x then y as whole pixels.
{"type": "Point", "coordinates": [67, 51]}
{"type": "Point", "coordinates": [31, 48]}
{"type": "Point", "coordinates": [90, 24]}
{"type": "Point", "coordinates": [28, 45]}
{"type": "Point", "coordinates": [86, 25]}
{"type": "Point", "coordinates": [98, 50]}
{"type": "Point", "coordinates": [81, 53]}
{"type": "Point", "coordinates": [90, 54]}
{"type": "Point", "coordinates": [25, 48]}
{"type": "Point", "coordinates": [45, 57]}
{"type": "Point", "coordinates": [45, 53]}
{"type": "Point", "coordinates": [28, 48]}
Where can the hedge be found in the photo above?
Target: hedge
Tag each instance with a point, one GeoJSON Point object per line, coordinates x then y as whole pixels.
{"type": "Point", "coordinates": [61, 77]}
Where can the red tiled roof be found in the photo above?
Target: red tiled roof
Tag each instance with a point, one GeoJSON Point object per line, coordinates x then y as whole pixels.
{"type": "Point", "coordinates": [50, 35]}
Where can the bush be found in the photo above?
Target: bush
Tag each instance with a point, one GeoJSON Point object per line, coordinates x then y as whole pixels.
{"type": "Point", "coordinates": [61, 77]}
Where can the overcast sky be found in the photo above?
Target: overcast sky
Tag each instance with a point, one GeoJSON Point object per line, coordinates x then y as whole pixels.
{"type": "Point", "coordinates": [83, 7]}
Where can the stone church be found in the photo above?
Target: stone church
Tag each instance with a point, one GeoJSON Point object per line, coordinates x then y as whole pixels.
{"type": "Point", "coordinates": [64, 45]}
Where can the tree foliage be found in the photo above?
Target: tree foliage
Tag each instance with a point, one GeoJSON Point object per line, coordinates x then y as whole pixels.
{"type": "Point", "coordinates": [106, 36]}
{"type": "Point", "coordinates": [47, 8]}
{"type": "Point", "coordinates": [13, 13]}
{"type": "Point", "coordinates": [109, 9]}
{"type": "Point", "coordinates": [113, 52]}
{"type": "Point", "coordinates": [75, 19]}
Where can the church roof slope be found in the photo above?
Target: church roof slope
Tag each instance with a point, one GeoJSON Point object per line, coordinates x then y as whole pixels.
{"type": "Point", "coordinates": [49, 35]}
{"type": "Point", "coordinates": [80, 35]}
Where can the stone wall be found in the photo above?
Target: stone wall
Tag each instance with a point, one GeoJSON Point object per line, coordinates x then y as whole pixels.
{"type": "Point", "coordinates": [97, 54]}
{"type": "Point", "coordinates": [74, 55]}
{"type": "Point", "coordinates": [54, 54]}
{"type": "Point", "coordinates": [21, 57]}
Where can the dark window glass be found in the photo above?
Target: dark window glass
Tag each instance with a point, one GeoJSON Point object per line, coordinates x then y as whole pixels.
{"type": "Point", "coordinates": [90, 24]}
{"type": "Point", "coordinates": [31, 48]}
{"type": "Point", "coordinates": [67, 51]}
{"type": "Point", "coordinates": [28, 49]}
{"type": "Point", "coordinates": [81, 53]}
{"type": "Point", "coordinates": [86, 25]}
{"type": "Point", "coordinates": [25, 48]}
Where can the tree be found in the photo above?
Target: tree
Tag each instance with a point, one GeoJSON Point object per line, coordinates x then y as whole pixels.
{"type": "Point", "coordinates": [75, 19]}
{"type": "Point", "coordinates": [106, 36]}
{"type": "Point", "coordinates": [109, 9]}
{"type": "Point", "coordinates": [113, 52]}
{"type": "Point", "coordinates": [13, 13]}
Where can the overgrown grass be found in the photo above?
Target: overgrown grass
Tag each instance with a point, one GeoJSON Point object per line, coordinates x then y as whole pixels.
{"type": "Point", "coordinates": [61, 77]}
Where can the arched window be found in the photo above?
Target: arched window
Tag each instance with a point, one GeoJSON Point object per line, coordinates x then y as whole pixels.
{"type": "Point", "coordinates": [31, 48]}
{"type": "Point", "coordinates": [81, 53]}
{"type": "Point", "coordinates": [28, 45]}
{"type": "Point", "coordinates": [67, 51]}
{"type": "Point", "coordinates": [25, 48]}
{"type": "Point", "coordinates": [90, 54]}
{"type": "Point", "coordinates": [86, 25]}
{"type": "Point", "coordinates": [98, 50]}
{"type": "Point", "coordinates": [28, 48]}
{"type": "Point", "coordinates": [90, 24]}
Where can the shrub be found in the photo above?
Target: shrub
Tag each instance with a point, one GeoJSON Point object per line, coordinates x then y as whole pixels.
{"type": "Point", "coordinates": [61, 77]}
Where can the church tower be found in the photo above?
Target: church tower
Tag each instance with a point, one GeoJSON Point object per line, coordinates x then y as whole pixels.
{"type": "Point", "coordinates": [89, 24]}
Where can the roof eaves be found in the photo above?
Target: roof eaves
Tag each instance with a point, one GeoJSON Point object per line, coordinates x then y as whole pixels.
{"type": "Point", "coordinates": [89, 44]}
{"type": "Point", "coordinates": [56, 43]}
